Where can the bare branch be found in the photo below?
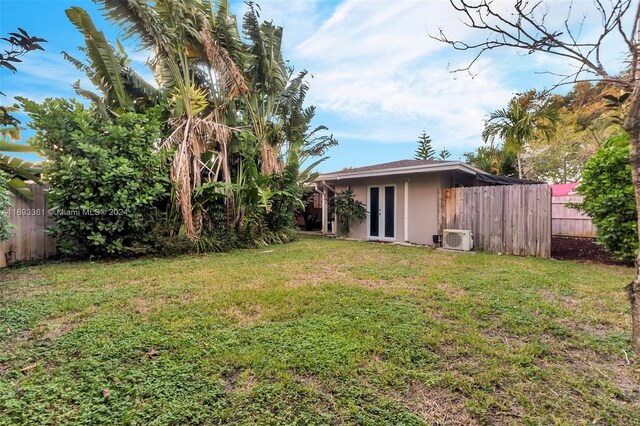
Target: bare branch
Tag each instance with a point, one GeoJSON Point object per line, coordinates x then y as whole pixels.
{"type": "Point", "coordinates": [524, 28]}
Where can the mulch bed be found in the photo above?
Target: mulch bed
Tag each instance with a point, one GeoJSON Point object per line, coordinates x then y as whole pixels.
{"type": "Point", "coordinates": [582, 249]}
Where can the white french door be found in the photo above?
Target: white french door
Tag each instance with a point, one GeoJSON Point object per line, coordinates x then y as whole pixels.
{"type": "Point", "coordinates": [381, 220]}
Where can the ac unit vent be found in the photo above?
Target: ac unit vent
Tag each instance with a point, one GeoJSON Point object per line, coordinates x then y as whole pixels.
{"type": "Point", "coordinates": [457, 239]}
{"type": "Point", "coordinates": [453, 240]}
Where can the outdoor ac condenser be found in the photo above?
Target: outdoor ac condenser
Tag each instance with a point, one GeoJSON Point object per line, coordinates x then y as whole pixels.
{"type": "Point", "coordinates": [457, 239]}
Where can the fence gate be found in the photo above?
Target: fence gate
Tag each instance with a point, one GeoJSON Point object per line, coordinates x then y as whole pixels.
{"type": "Point", "coordinates": [30, 220]}
{"type": "Point", "coordinates": [513, 219]}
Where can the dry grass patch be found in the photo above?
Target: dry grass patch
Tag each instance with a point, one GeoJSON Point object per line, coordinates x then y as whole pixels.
{"type": "Point", "coordinates": [55, 327]}
{"type": "Point", "coordinates": [244, 316]}
{"type": "Point", "coordinates": [437, 406]}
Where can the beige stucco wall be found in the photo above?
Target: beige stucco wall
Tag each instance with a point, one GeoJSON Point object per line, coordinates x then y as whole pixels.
{"type": "Point", "coordinates": [423, 202]}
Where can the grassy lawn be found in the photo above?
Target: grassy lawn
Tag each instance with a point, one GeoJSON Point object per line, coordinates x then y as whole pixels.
{"type": "Point", "coordinates": [318, 332]}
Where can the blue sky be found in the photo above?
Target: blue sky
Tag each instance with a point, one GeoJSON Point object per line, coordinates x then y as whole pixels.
{"type": "Point", "coordinates": [378, 79]}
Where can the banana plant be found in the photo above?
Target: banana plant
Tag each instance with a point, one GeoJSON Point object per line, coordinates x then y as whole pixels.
{"type": "Point", "coordinates": [108, 69]}
{"type": "Point", "coordinates": [303, 142]}
{"type": "Point", "coordinates": [217, 84]}
{"type": "Point", "coordinates": [19, 170]}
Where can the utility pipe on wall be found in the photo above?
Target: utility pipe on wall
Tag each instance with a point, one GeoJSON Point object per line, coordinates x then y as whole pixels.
{"type": "Point", "coordinates": [406, 210]}
{"type": "Point", "coordinates": [325, 210]}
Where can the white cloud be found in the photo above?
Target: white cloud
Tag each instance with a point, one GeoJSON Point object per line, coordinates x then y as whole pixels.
{"type": "Point", "coordinates": [41, 75]}
{"type": "Point", "coordinates": [382, 32]}
{"type": "Point", "coordinates": [47, 74]}
{"type": "Point", "coordinates": [47, 68]}
{"type": "Point", "coordinates": [299, 18]}
{"type": "Point", "coordinates": [378, 77]}
{"type": "Point", "coordinates": [375, 67]}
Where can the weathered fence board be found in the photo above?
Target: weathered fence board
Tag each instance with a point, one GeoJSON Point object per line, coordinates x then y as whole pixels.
{"type": "Point", "coordinates": [503, 219]}
{"type": "Point", "coordinates": [30, 220]}
{"type": "Point", "coordinates": [570, 222]}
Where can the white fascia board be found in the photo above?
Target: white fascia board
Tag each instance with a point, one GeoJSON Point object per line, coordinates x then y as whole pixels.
{"type": "Point", "coordinates": [426, 168]}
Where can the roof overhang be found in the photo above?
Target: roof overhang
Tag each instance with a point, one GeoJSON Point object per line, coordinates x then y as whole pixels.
{"type": "Point", "coordinates": [451, 166]}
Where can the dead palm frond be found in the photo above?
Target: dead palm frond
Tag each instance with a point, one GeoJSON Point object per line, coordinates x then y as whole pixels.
{"type": "Point", "coordinates": [190, 139]}
{"type": "Point", "coordinates": [229, 79]}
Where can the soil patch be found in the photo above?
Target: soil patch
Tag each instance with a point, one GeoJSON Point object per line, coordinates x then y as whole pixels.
{"type": "Point", "coordinates": [582, 249]}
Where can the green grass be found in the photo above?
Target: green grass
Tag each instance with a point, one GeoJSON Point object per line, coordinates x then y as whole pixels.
{"type": "Point", "coordinates": [318, 332]}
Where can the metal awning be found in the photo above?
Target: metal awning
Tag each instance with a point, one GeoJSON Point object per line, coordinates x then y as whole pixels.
{"type": "Point", "coordinates": [504, 180]}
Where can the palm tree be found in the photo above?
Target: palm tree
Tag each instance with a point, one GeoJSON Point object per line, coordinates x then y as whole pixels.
{"type": "Point", "coordinates": [236, 112]}
{"type": "Point", "coordinates": [519, 124]}
{"type": "Point", "coordinates": [18, 170]}
{"type": "Point", "coordinates": [492, 159]}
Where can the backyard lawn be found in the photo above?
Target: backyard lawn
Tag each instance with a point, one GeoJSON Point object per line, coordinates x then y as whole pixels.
{"type": "Point", "coordinates": [318, 332]}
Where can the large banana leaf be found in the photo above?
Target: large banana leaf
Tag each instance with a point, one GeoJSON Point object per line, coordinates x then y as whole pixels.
{"type": "Point", "coordinates": [15, 147]}
{"type": "Point", "coordinates": [225, 31]}
{"type": "Point", "coordinates": [138, 21]}
{"type": "Point", "coordinates": [266, 71]}
{"type": "Point", "coordinates": [19, 186]}
{"type": "Point", "coordinates": [88, 94]}
{"type": "Point", "coordinates": [106, 67]}
{"type": "Point", "coordinates": [139, 88]}
{"type": "Point", "coordinates": [18, 169]}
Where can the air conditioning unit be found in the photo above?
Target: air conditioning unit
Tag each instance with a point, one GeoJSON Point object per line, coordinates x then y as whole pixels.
{"type": "Point", "coordinates": [457, 239]}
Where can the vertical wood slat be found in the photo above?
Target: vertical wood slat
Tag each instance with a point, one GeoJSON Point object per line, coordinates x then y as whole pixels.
{"type": "Point", "coordinates": [30, 240]}
{"type": "Point", "coordinates": [570, 222]}
{"type": "Point", "coordinates": [512, 219]}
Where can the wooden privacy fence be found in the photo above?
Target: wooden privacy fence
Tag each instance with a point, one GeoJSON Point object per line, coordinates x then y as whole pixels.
{"type": "Point", "coordinates": [503, 219]}
{"type": "Point", "coordinates": [30, 220]}
{"type": "Point", "coordinates": [569, 222]}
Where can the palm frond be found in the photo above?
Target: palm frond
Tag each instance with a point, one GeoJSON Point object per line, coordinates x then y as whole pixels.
{"type": "Point", "coordinates": [80, 66]}
{"type": "Point", "coordinates": [98, 102]}
{"type": "Point", "coordinates": [138, 88]}
{"type": "Point", "coordinates": [17, 167]}
{"type": "Point", "coordinates": [138, 20]}
{"type": "Point", "coordinates": [19, 186]}
{"type": "Point", "coordinates": [266, 71]}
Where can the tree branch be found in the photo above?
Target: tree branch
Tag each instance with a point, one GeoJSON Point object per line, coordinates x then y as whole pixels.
{"type": "Point", "coordinates": [524, 28]}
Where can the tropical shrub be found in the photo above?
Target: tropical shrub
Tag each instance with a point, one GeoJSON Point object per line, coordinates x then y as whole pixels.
{"type": "Point", "coordinates": [106, 177]}
{"type": "Point", "coordinates": [286, 199]}
{"type": "Point", "coordinates": [348, 210]}
{"type": "Point", "coordinates": [493, 159]}
{"type": "Point", "coordinates": [609, 198]}
{"type": "Point", "coordinates": [5, 203]}
{"type": "Point", "coordinates": [214, 78]}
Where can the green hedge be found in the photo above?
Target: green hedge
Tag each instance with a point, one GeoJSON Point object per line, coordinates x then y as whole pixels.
{"type": "Point", "coordinates": [6, 229]}
{"type": "Point", "coordinates": [106, 177]}
{"type": "Point", "coordinates": [609, 198]}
